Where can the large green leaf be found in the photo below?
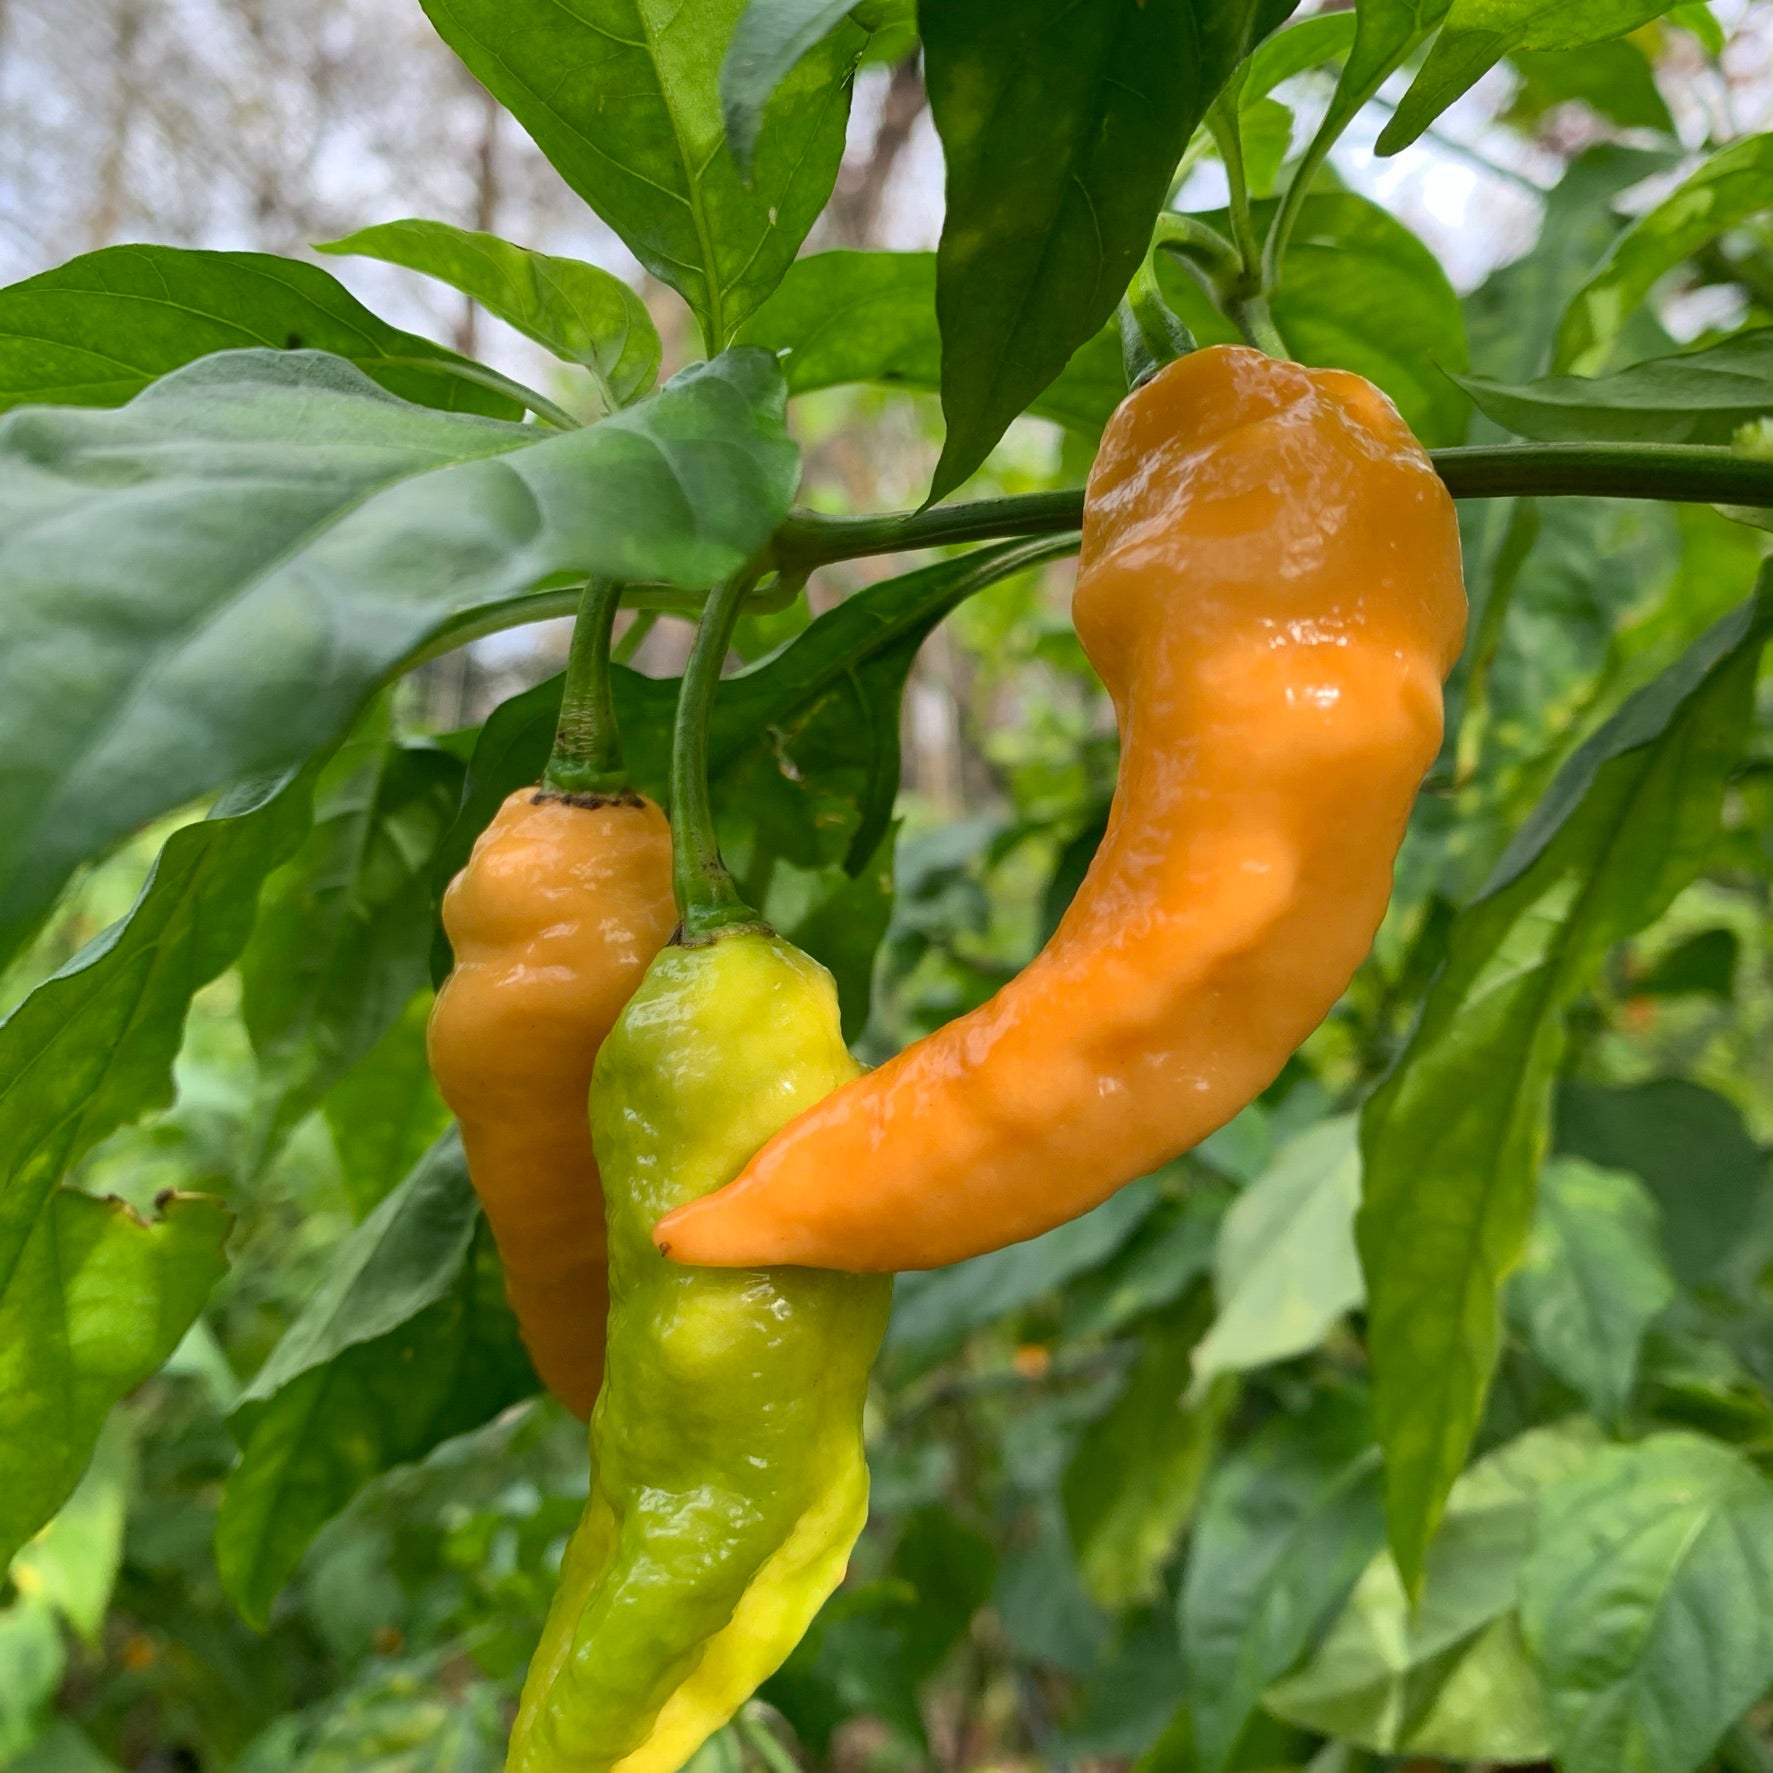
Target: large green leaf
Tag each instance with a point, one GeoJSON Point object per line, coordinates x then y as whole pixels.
{"type": "Point", "coordinates": [1289, 1521]}
{"type": "Point", "coordinates": [33, 1660]}
{"type": "Point", "coordinates": [871, 317]}
{"type": "Point", "coordinates": [1061, 125]}
{"type": "Point", "coordinates": [93, 1305]}
{"type": "Point", "coordinates": [407, 1342]}
{"type": "Point", "coordinates": [91, 1299]}
{"type": "Point", "coordinates": [1451, 1142]}
{"type": "Point", "coordinates": [1593, 1279]}
{"type": "Point", "coordinates": [1477, 34]}
{"type": "Point", "coordinates": [1446, 1676]}
{"type": "Point", "coordinates": [386, 1111]}
{"type": "Point", "coordinates": [1359, 291]}
{"type": "Point", "coordinates": [1700, 396]}
{"type": "Point", "coordinates": [92, 1048]}
{"type": "Point", "coordinates": [1131, 1486]}
{"type": "Point", "coordinates": [1287, 1269]}
{"type": "Point", "coordinates": [1615, 78]}
{"type": "Point", "coordinates": [1690, 1147]}
{"type": "Point", "coordinates": [212, 580]}
{"type": "Point", "coordinates": [344, 931]}
{"type": "Point", "coordinates": [580, 312]}
{"type": "Point", "coordinates": [935, 1308]}
{"type": "Point", "coordinates": [72, 1563]}
{"type": "Point", "coordinates": [1734, 184]}
{"type": "Point", "coordinates": [1512, 316]}
{"type": "Point", "coordinates": [624, 97]}
{"type": "Point", "coordinates": [770, 38]}
{"type": "Point", "coordinates": [1648, 1604]}
{"type": "Point", "coordinates": [99, 329]}
{"type": "Point", "coordinates": [1386, 33]}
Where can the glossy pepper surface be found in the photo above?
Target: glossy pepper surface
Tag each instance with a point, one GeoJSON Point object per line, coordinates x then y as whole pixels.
{"type": "Point", "coordinates": [557, 915]}
{"type": "Point", "coordinates": [729, 1482]}
{"type": "Point", "coordinates": [1270, 589]}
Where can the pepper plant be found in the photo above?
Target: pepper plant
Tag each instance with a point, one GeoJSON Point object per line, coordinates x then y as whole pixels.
{"type": "Point", "coordinates": [1423, 1413]}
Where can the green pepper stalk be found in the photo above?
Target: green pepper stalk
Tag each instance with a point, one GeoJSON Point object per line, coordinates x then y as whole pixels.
{"type": "Point", "coordinates": [708, 901]}
{"type": "Point", "coordinates": [587, 755]}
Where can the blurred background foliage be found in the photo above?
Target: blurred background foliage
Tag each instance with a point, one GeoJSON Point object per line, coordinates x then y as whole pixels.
{"type": "Point", "coordinates": [1084, 1449]}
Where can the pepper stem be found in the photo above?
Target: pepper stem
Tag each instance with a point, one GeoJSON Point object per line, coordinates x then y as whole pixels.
{"type": "Point", "coordinates": [708, 901]}
{"type": "Point", "coordinates": [587, 754]}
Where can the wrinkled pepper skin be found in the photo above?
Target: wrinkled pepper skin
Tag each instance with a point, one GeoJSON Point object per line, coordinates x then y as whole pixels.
{"type": "Point", "coordinates": [1270, 589]}
{"type": "Point", "coordinates": [554, 921]}
{"type": "Point", "coordinates": [729, 1482]}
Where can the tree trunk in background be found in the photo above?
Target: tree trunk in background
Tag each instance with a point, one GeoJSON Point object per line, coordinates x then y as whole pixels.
{"type": "Point", "coordinates": [486, 207]}
{"type": "Point", "coordinates": [855, 209]}
{"type": "Point", "coordinates": [106, 215]}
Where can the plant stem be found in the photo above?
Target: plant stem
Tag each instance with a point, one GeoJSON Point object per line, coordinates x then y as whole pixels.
{"type": "Point", "coordinates": [809, 539]}
{"type": "Point", "coordinates": [1345, 106]}
{"type": "Point", "coordinates": [645, 621]}
{"type": "Point", "coordinates": [587, 755]}
{"type": "Point", "coordinates": [1189, 238]}
{"type": "Point", "coordinates": [1244, 299]}
{"type": "Point", "coordinates": [708, 901]}
{"type": "Point", "coordinates": [1680, 473]}
{"type": "Point", "coordinates": [1151, 332]}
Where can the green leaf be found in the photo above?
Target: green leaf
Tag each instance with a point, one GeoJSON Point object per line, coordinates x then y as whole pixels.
{"type": "Point", "coordinates": [344, 927]}
{"type": "Point", "coordinates": [1593, 1279]}
{"type": "Point", "coordinates": [1702, 396]}
{"type": "Point", "coordinates": [1690, 1147]}
{"type": "Point", "coordinates": [1511, 317]}
{"type": "Point", "coordinates": [1477, 34]}
{"type": "Point", "coordinates": [1448, 1677]}
{"type": "Point", "coordinates": [623, 96]}
{"type": "Point", "coordinates": [1615, 78]}
{"type": "Point", "coordinates": [60, 1749]}
{"type": "Point", "coordinates": [1287, 1269]}
{"type": "Point", "coordinates": [1131, 1486]}
{"type": "Point", "coordinates": [93, 1304]}
{"type": "Point", "coordinates": [211, 581]}
{"type": "Point", "coordinates": [1045, 1611]}
{"type": "Point", "coordinates": [1165, 1257]}
{"type": "Point", "coordinates": [840, 920]}
{"type": "Point", "coordinates": [1698, 18]}
{"type": "Point", "coordinates": [92, 1048]}
{"type": "Point", "coordinates": [871, 317]}
{"type": "Point", "coordinates": [1702, 966]}
{"type": "Point", "coordinates": [1648, 1604]}
{"type": "Point", "coordinates": [72, 1563]}
{"type": "Point", "coordinates": [1308, 44]}
{"type": "Point", "coordinates": [1386, 33]}
{"type": "Point", "coordinates": [1359, 291]}
{"type": "Point", "coordinates": [1061, 125]}
{"type": "Point", "coordinates": [386, 1111]}
{"type": "Point", "coordinates": [1452, 1140]}
{"type": "Point", "coordinates": [581, 313]}
{"type": "Point", "coordinates": [33, 1659]}
{"type": "Point", "coordinates": [1734, 184]}
{"type": "Point", "coordinates": [942, 1304]}
{"type": "Point", "coordinates": [407, 1342]}
{"type": "Point", "coordinates": [769, 39]}
{"type": "Point", "coordinates": [1288, 1523]}
{"type": "Point", "coordinates": [99, 329]}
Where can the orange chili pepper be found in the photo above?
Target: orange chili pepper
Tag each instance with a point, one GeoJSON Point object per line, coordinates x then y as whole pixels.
{"type": "Point", "coordinates": [1270, 589]}
{"type": "Point", "coordinates": [554, 921]}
